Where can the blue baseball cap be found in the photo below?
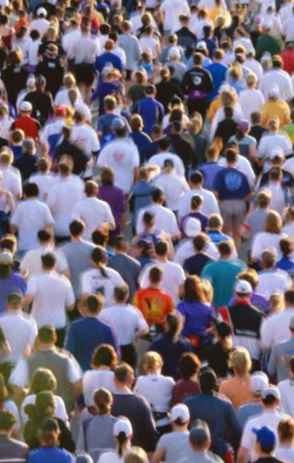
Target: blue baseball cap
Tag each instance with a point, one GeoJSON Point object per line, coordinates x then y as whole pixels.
{"type": "Point", "coordinates": [265, 436]}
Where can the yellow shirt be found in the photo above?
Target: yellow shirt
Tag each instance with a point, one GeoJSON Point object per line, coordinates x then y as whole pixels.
{"type": "Point", "coordinates": [214, 106]}
{"type": "Point", "coordinates": [275, 109]}
{"type": "Point", "coordinates": [218, 11]}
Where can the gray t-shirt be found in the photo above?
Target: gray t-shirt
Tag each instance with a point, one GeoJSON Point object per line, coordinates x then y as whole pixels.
{"type": "Point", "coordinates": [96, 435]}
{"type": "Point", "coordinates": [175, 444]}
{"type": "Point", "coordinates": [200, 457]}
{"type": "Point", "coordinates": [78, 256]}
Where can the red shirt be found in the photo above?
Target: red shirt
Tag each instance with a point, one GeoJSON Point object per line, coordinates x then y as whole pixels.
{"type": "Point", "coordinates": [29, 125]}
{"type": "Point", "coordinates": [288, 60]}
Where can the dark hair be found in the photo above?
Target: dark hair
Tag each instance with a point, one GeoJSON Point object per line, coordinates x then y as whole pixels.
{"type": "Point", "coordinates": [193, 290]}
{"type": "Point", "coordinates": [174, 323]}
{"type": "Point", "coordinates": [121, 293]}
{"type": "Point", "coordinates": [157, 195]}
{"type": "Point", "coordinates": [99, 257]}
{"type": "Point", "coordinates": [161, 248]}
{"type": "Point", "coordinates": [122, 371]}
{"type": "Point", "coordinates": [44, 236]}
{"type": "Point", "coordinates": [225, 248]}
{"type": "Point", "coordinates": [286, 246]}
{"type": "Point", "coordinates": [189, 365]}
{"type": "Point", "coordinates": [100, 237]}
{"type": "Point", "coordinates": [122, 438]}
{"type": "Point", "coordinates": [207, 381]}
{"type": "Point", "coordinates": [155, 275]}
{"type": "Point", "coordinates": [76, 227]}
{"type": "Point", "coordinates": [30, 190]}
{"type": "Point", "coordinates": [148, 218]}
{"type": "Point", "coordinates": [196, 177]}
{"type": "Point", "coordinates": [103, 401]}
{"type": "Point", "coordinates": [200, 241]}
{"type": "Point", "coordinates": [94, 303]}
{"type": "Point", "coordinates": [164, 143]}
{"type": "Point", "coordinates": [48, 260]}
{"type": "Point", "coordinates": [104, 355]}
{"type": "Point", "coordinates": [107, 176]}
{"type": "Point", "coordinates": [47, 334]}
{"type": "Point", "coordinates": [289, 297]}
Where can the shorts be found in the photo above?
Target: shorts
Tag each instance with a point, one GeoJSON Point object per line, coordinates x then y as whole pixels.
{"type": "Point", "coordinates": [85, 74]}
{"type": "Point", "coordinates": [233, 212]}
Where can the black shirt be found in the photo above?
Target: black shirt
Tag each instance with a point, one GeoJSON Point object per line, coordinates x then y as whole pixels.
{"type": "Point", "coordinates": [268, 460]}
{"type": "Point", "coordinates": [42, 105]}
{"type": "Point", "coordinates": [183, 148]}
{"type": "Point", "coordinates": [186, 39]}
{"type": "Point", "coordinates": [53, 71]}
{"type": "Point", "coordinates": [195, 264]}
{"type": "Point", "coordinates": [226, 129]}
{"type": "Point", "coordinates": [246, 319]}
{"type": "Point", "coordinates": [166, 90]}
{"type": "Point", "coordinates": [218, 359]}
{"type": "Point", "coordinates": [79, 158]}
{"type": "Point", "coordinates": [198, 80]}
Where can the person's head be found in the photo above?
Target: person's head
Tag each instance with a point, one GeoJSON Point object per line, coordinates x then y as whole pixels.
{"type": "Point", "coordinates": [136, 123]}
{"type": "Point", "coordinates": [65, 167]}
{"type": "Point", "coordinates": [215, 222]}
{"type": "Point", "coordinates": [91, 189]}
{"type": "Point", "coordinates": [231, 157]}
{"type": "Point", "coordinates": [274, 125]}
{"type": "Point", "coordinates": [48, 261]}
{"type": "Point", "coordinates": [124, 376]}
{"type": "Point", "coordinates": [277, 62]}
{"type": "Point", "coordinates": [289, 215]}
{"type": "Point", "coordinates": [224, 335]}
{"type": "Point", "coordinates": [256, 118]}
{"type": "Point", "coordinates": [157, 196]}
{"type": "Point", "coordinates": [286, 432]}
{"type": "Point", "coordinates": [268, 259]}
{"type": "Point", "coordinates": [259, 382]}
{"type": "Point", "coordinates": [103, 401]}
{"type": "Point", "coordinates": [107, 176]}
{"type": "Point", "coordinates": [197, 59]}
{"type": "Point", "coordinates": [6, 157]}
{"type": "Point", "coordinates": [100, 237]}
{"type": "Point", "coordinates": [240, 361]}
{"type": "Point", "coordinates": [50, 433]}
{"type": "Point", "coordinates": [199, 438]}
{"type": "Point", "coordinates": [155, 276]}
{"type": "Point", "coordinates": [286, 246]}
{"type": "Point", "coordinates": [193, 290]}
{"type": "Point", "coordinates": [275, 175]}
{"type": "Point", "coordinates": [43, 380]}
{"type": "Point", "coordinates": [243, 289]}
{"type": "Point", "coordinates": [47, 335]}
{"type": "Point", "coordinates": [6, 263]}
{"type": "Point", "coordinates": [151, 363]}
{"type": "Point", "coordinates": [164, 144]}
{"type": "Point", "coordinates": [180, 416]}
{"type": "Point", "coordinates": [251, 276]}
{"type": "Point", "coordinates": [123, 433]}
{"type": "Point", "coordinates": [289, 297]}
{"type": "Point", "coordinates": [30, 190]}
{"type": "Point", "coordinates": [200, 242]}
{"type": "Point", "coordinates": [196, 179]}
{"type": "Point", "coordinates": [225, 249]}
{"type": "Point", "coordinates": [8, 243]}
{"type": "Point", "coordinates": [45, 237]}
{"type": "Point", "coordinates": [251, 81]}
{"type": "Point", "coordinates": [7, 423]}
{"type": "Point", "coordinates": [76, 228]}
{"type": "Point", "coordinates": [161, 249]}
{"type": "Point", "coordinates": [265, 441]}
{"type": "Point", "coordinates": [173, 325]}
{"type": "Point", "coordinates": [14, 300]}
{"type": "Point", "coordinates": [121, 294]}
{"type": "Point", "coordinates": [271, 397]}
{"type": "Point", "coordinates": [92, 305]}
{"type": "Point", "coordinates": [120, 244]}
{"type": "Point", "coordinates": [99, 256]}
{"type": "Point", "coordinates": [189, 365]}
{"type": "Point", "coordinates": [104, 356]}
{"type": "Point", "coordinates": [3, 390]}
{"type": "Point", "coordinates": [136, 455]}
{"type": "Point", "coordinates": [43, 165]}
{"type": "Point", "coordinates": [263, 199]}
{"type": "Point", "coordinates": [208, 381]}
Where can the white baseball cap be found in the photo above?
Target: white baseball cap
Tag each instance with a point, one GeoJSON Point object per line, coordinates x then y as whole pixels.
{"type": "Point", "coordinates": [123, 425]}
{"type": "Point", "coordinates": [41, 12]}
{"type": "Point", "coordinates": [243, 287]}
{"type": "Point", "coordinates": [180, 412]}
{"type": "Point", "coordinates": [271, 391]}
{"type": "Point", "coordinates": [259, 382]}
{"type": "Point", "coordinates": [192, 227]}
{"type": "Point", "coordinates": [25, 106]}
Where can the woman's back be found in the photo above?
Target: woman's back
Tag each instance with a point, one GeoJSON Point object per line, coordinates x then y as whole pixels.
{"type": "Point", "coordinates": [96, 436]}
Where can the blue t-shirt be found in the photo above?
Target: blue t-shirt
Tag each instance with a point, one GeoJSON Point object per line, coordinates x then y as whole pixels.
{"type": "Point", "coordinates": [50, 455]}
{"type": "Point", "coordinates": [286, 264]}
{"type": "Point", "coordinates": [151, 111]}
{"type": "Point", "coordinates": [106, 59]}
{"type": "Point", "coordinates": [14, 282]}
{"type": "Point", "coordinates": [230, 183]}
{"type": "Point", "coordinates": [198, 317]}
{"type": "Point", "coordinates": [210, 171]}
{"type": "Point", "coordinates": [218, 72]}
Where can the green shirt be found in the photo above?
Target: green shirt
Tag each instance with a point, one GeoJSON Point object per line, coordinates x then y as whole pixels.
{"type": "Point", "coordinates": [222, 275]}
{"type": "Point", "coordinates": [267, 43]}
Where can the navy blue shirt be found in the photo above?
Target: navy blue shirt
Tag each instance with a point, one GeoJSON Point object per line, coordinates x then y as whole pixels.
{"type": "Point", "coordinates": [170, 352]}
{"type": "Point", "coordinates": [85, 334]}
{"type": "Point", "coordinates": [108, 58]}
{"type": "Point", "coordinates": [143, 143]}
{"type": "Point", "coordinates": [50, 455]}
{"type": "Point", "coordinates": [230, 183]}
{"type": "Point", "coordinates": [195, 264]}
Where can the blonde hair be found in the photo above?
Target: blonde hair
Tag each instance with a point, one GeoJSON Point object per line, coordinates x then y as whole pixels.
{"type": "Point", "coordinates": [151, 362]}
{"type": "Point", "coordinates": [240, 361]}
{"type": "Point", "coordinates": [277, 302]}
{"type": "Point", "coordinates": [207, 290]}
{"type": "Point", "coordinates": [273, 222]}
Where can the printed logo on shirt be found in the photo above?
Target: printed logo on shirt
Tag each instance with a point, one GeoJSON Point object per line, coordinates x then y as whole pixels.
{"type": "Point", "coordinates": [233, 181]}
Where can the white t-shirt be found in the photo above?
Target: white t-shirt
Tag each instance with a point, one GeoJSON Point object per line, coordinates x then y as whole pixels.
{"type": "Point", "coordinates": [251, 101]}
{"type": "Point", "coordinates": [122, 157]}
{"type": "Point", "coordinates": [52, 294]}
{"type": "Point", "coordinates": [31, 216]}
{"type": "Point", "coordinates": [173, 187]}
{"type": "Point", "coordinates": [288, 229]}
{"type": "Point", "coordinates": [271, 141]}
{"type": "Point", "coordinates": [165, 220]}
{"type": "Point", "coordinates": [62, 97]}
{"type": "Point", "coordinates": [95, 379]}
{"type": "Point", "coordinates": [62, 198]}
{"type": "Point", "coordinates": [92, 281]}
{"type": "Point", "coordinates": [286, 388]}
{"type": "Point", "coordinates": [31, 263]}
{"type": "Point", "coordinates": [20, 331]}
{"type": "Point", "coordinates": [60, 410]}
{"type": "Point", "coordinates": [173, 277]}
{"type": "Point", "coordinates": [110, 457]}
{"type": "Point", "coordinates": [277, 195]}
{"type": "Point", "coordinates": [172, 9]}
{"type": "Point", "coordinates": [86, 138]}
{"type": "Point", "coordinates": [40, 24]}
{"type": "Point", "coordinates": [94, 213]}
{"type": "Point", "coordinates": [186, 249]}
{"type": "Point", "coordinates": [273, 281]}
{"type": "Point", "coordinates": [266, 241]}
{"type": "Point", "coordinates": [125, 320]}
{"type": "Point", "coordinates": [267, 418]}
{"type": "Point", "coordinates": [209, 206]}
{"type": "Point", "coordinates": [285, 454]}
{"type": "Point", "coordinates": [277, 78]}
{"type": "Point", "coordinates": [44, 183]}
{"type": "Point", "coordinates": [12, 181]}
{"type": "Point", "coordinates": [275, 329]}
{"type": "Point", "coordinates": [158, 160]}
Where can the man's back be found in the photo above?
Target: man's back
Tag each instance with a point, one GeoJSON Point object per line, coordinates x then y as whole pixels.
{"type": "Point", "coordinates": [129, 269]}
{"type": "Point", "coordinates": [279, 359]}
{"type": "Point", "coordinates": [12, 451]}
{"type": "Point", "coordinates": [78, 256]}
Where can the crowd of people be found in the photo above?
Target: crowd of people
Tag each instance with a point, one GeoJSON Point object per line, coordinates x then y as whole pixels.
{"type": "Point", "coordinates": [146, 231]}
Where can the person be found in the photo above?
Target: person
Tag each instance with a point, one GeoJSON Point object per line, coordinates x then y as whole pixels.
{"type": "Point", "coordinates": [222, 274]}
{"type": "Point", "coordinates": [127, 323]}
{"type": "Point", "coordinates": [46, 289]}
{"type": "Point", "coordinates": [237, 388]}
{"type": "Point", "coordinates": [172, 446]}
{"type": "Point", "coordinates": [194, 264]}
{"type": "Point", "coordinates": [88, 440]}
{"type": "Point", "coordinates": [171, 345]}
{"type": "Point", "coordinates": [123, 432]}
{"type": "Point", "coordinates": [200, 443]}
{"type": "Point", "coordinates": [278, 365]}
{"type": "Point", "coordinates": [285, 449]}
{"type": "Point", "coordinates": [155, 388]}
{"type": "Point", "coordinates": [280, 280]}
{"type": "Point", "coordinates": [49, 450]}
{"type": "Point", "coordinates": [10, 449]}
{"type": "Point", "coordinates": [188, 367]}
{"type": "Point", "coordinates": [284, 387]}
{"type": "Point", "coordinates": [63, 366]}
{"type": "Point", "coordinates": [270, 416]}
{"type": "Point", "coordinates": [135, 408]}
{"type": "Point", "coordinates": [258, 383]}
{"type": "Point", "coordinates": [40, 218]}
{"type": "Point", "coordinates": [10, 281]}
{"type": "Point", "coordinates": [217, 412]}
{"type": "Point", "coordinates": [102, 279]}
{"type": "Point", "coordinates": [90, 328]}
{"type": "Point", "coordinates": [266, 442]}
{"type": "Point", "coordinates": [150, 109]}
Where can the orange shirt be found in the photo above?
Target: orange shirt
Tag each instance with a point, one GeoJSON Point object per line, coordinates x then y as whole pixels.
{"type": "Point", "coordinates": [237, 390]}
{"type": "Point", "coordinates": [154, 304]}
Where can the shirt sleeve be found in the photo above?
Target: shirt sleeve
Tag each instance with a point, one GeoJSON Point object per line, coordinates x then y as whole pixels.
{"type": "Point", "coordinates": [20, 375]}
{"type": "Point", "coordinates": [70, 297]}
{"type": "Point", "coordinates": [74, 371]}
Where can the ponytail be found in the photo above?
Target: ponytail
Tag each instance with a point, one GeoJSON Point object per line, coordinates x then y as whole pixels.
{"type": "Point", "coordinates": [122, 439]}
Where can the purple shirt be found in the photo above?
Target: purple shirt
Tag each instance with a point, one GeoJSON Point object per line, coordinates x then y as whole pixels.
{"type": "Point", "coordinates": [114, 196]}
{"type": "Point", "coordinates": [198, 317]}
{"type": "Point", "coordinates": [15, 282]}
